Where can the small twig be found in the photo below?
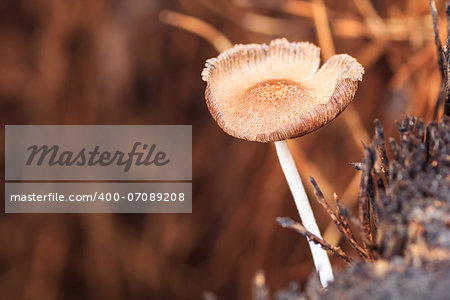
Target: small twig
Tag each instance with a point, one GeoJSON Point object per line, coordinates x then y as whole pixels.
{"type": "Point", "coordinates": [338, 219]}
{"type": "Point", "coordinates": [381, 147]}
{"type": "Point", "coordinates": [394, 148]}
{"type": "Point", "coordinates": [357, 223]}
{"type": "Point", "coordinates": [217, 39]}
{"type": "Point", "coordinates": [439, 100]}
{"type": "Point", "coordinates": [403, 128]}
{"type": "Point", "coordinates": [428, 137]}
{"type": "Point", "coordinates": [346, 214]}
{"type": "Point", "coordinates": [323, 30]}
{"type": "Point", "coordinates": [447, 84]}
{"type": "Point", "coordinates": [365, 194]}
{"type": "Point", "coordinates": [378, 177]}
{"type": "Point", "coordinates": [357, 165]}
{"type": "Point", "coordinates": [447, 15]}
{"type": "Point", "coordinates": [289, 223]}
{"type": "Point", "coordinates": [420, 130]}
{"type": "Point", "coordinates": [443, 60]}
{"type": "Point", "coordinates": [373, 20]}
{"type": "Point", "coordinates": [437, 40]}
{"type": "Point", "coordinates": [446, 54]}
{"type": "Point", "coordinates": [381, 188]}
{"type": "Point", "coordinates": [298, 8]}
{"type": "Point", "coordinates": [344, 220]}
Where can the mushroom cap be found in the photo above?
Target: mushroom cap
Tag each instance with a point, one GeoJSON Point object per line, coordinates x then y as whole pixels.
{"type": "Point", "coordinates": [274, 92]}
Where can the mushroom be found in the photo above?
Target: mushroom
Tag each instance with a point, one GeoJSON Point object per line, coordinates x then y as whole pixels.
{"type": "Point", "coordinates": [275, 92]}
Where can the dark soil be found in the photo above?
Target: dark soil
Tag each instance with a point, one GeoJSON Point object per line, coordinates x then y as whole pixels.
{"type": "Point", "coordinates": [406, 204]}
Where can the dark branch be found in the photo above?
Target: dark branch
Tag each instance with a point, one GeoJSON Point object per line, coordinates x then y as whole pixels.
{"type": "Point", "coordinates": [338, 220]}
{"type": "Point", "coordinates": [289, 223]}
{"type": "Point", "coordinates": [379, 136]}
{"type": "Point", "coordinates": [357, 165]}
{"type": "Point", "coordinates": [437, 40]}
{"type": "Point", "coordinates": [365, 194]}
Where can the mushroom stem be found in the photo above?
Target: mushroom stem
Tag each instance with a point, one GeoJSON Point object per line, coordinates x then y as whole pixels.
{"type": "Point", "coordinates": [320, 257]}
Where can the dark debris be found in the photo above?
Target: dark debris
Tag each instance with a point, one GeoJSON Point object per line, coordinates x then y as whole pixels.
{"type": "Point", "coordinates": [404, 219]}
{"type": "Point", "coordinates": [443, 55]}
{"type": "Point", "coordinates": [394, 280]}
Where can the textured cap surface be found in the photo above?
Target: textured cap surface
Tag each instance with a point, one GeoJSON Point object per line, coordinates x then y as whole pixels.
{"type": "Point", "coordinates": [275, 92]}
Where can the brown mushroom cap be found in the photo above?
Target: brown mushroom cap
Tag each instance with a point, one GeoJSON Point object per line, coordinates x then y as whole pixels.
{"type": "Point", "coordinates": [275, 92]}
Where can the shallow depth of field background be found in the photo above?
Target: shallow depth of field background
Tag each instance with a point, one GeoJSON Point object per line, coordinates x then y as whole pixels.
{"type": "Point", "coordinates": [120, 62]}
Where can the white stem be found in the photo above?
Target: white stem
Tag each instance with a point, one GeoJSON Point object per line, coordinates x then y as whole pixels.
{"type": "Point", "coordinates": [320, 257]}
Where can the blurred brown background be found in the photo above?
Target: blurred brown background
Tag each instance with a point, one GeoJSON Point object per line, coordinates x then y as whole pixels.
{"type": "Point", "coordinates": [135, 62]}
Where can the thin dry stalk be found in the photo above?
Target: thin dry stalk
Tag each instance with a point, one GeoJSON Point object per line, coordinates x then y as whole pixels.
{"type": "Point", "coordinates": [339, 220]}
{"type": "Point", "coordinates": [219, 41]}
{"type": "Point", "coordinates": [371, 17]}
{"type": "Point", "coordinates": [289, 223]}
{"type": "Point", "coordinates": [359, 227]}
{"type": "Point", "coordinates": [437, 40]}
{"type": "Point", "coordinates": [443, 58]}
{"type": "Point", "coordinates": [323, 29]}
{"type": "Point", "coordinates": [364, 196]}
{"type": "Point", "coordinates": [381, 147]}
{"type": "Point", "coordinates": [298, 8]}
